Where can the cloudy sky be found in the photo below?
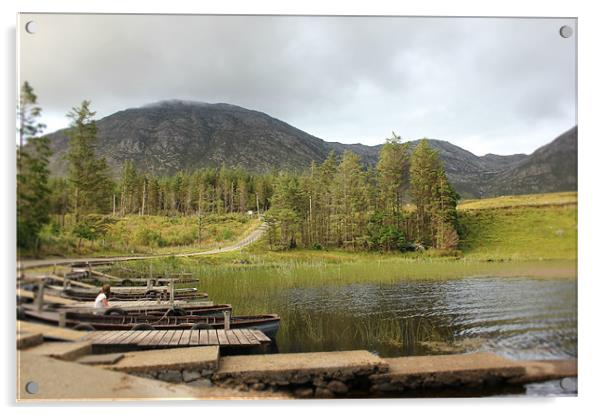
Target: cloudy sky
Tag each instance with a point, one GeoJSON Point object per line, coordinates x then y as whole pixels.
{"type": "Point", "coordinates": [499, 86]}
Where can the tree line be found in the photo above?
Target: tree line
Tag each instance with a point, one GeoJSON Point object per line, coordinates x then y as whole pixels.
{"type": "Point", "coordinates": [338, 203]}
{"type": "Point", "coordinates": [343, 204]}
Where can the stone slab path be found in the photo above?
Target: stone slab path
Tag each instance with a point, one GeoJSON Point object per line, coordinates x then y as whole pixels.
{"type": "Point", "coordinates": [50, 332]}
{"type": "Point", "coordinates": [62, 350]}
{"type": "Point", "coordinates": [290, 365]}
{"type": "Point", "coordinates": [56, 380]}
{"type": "Point", "coordinates": [192, 358]}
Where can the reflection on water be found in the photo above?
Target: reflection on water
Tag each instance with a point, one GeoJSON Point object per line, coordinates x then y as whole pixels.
{"type": "Point", "coordinates": [404, 308]}
{"type": "Point", "coordinates": [518, 317]}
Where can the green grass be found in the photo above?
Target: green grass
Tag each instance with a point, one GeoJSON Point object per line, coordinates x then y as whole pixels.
{"type": "Point", "coordinates": [525, 227]}
{"type": "Point", "coordinates": [535, 200]}
{"type": "Point", "coordinates": [519, 233]}
{"type": "Point", "coordinates": [136, 234]}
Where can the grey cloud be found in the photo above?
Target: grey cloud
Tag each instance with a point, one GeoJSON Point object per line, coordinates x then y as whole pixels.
{"type": "Point", "coordinates": [491, 85]}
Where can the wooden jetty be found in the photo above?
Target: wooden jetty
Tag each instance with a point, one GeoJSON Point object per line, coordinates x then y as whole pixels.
{"type": "Point", "coordinates": [152, 339]}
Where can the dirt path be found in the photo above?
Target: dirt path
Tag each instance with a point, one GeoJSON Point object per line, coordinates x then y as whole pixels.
{"type": "Point", "coordinates": [248, 240]}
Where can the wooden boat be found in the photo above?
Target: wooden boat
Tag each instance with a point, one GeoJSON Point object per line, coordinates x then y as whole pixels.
{"type": "Point", "coordinates": [155, 282]}
{"type": "Point", "coordinates": [96, 277]}
{"type": "Point", "coordinates": [92, 290]}
{"type": "Point", "coordinates": [189, 294]}
{"type": "Point", "coordinates": [157, 311]}
{"type": "Point", "coordinates": [267, 323]}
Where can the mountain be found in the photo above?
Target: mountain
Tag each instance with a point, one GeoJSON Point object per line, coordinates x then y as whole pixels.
{"type": "Point", "coordinates": [551, 168]}
{"type": "Point", "coordinates": [169, 136]}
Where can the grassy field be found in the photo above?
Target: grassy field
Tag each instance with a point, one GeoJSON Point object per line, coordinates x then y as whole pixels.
{"type": "Point", "coordinates": [149, 235]}
{"type": "Point", "coordinates": [523, 227]}
{"type": "Point", "coordinates": [537, 200]}
{"type": "Point", "coordinates": [520, 227]}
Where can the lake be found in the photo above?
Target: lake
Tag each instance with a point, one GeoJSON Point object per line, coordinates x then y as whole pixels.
{"type": "Point", "coordinates": [522, 310]}
{"type": "Point", "coordinates": [397, 309]}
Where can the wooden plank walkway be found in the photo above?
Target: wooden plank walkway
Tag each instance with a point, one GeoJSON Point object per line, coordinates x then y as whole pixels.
{"type": "Point", "coordinates": [178, 338]}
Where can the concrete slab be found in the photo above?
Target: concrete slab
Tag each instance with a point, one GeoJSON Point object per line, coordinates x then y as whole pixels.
{"type": "Point", "coordinates": [62, 350]}
{"type": "Point", "coordinates": [296, 367]}
{"type": "Point", "coordinates": [67, 381]}
{"type": "Point", "coordinates": [446, 370]}
{"type": "Point", "coordinates": [542, 370]}
{"type": "Point", "coordinates": [101, 359]}
{"type": "Point", "coordinates": [25, 340]}
{"type": "Point", "coordinates": [192, 358]}
{"type": "Point", "coordinates": [51, 332]}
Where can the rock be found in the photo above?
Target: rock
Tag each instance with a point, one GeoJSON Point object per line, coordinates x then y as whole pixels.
{"type": "Point", "coordinates": [230, 382]}
{"type": "Point", "coordinates": [300, 379]}
{"type": "Point", "coordinates": [304, 393]}
{"type": "Point", "coordinates": [258, 386]}
{"type": "Point", "coordinates": [200, 383]}
{"type": "Point", "coordinates": [250, 381]}
{"type": "Point", "coordinates": [190, 375]}
{"type": "Point", "coordinates": [147, 375]}
{"type": "Point", "coordinates": [323, 393]}
{"type": "Point", "coordinates": [320, 382]}
{"type": "Point", "coordinates": [337, 386]}
{"type": "Point", "coordinates": [387, 387]}
{"type": "Point", "coordinates": [206, 372]}
{"type": "Point", "coordinates": [172, 376]}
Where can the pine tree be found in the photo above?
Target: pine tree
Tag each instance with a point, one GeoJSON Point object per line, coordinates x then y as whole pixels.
{"type": "Point", "coordinates": [59, 198]}
{"type": "Point", "coordinates": [325, 205]}
{"type": "Point", "coordinates": [33, 193]}
{"type": "Point", "coordinates": [92, 188]}
{"type": "Point", "coordinates": [393, 169]}
{"type": "Point", "coordinates": [129, 184]}
{"type": "Point", "coordinates": [287, 208]}
{"type": "Point", "coordinates": [424, 174]}
{"type": "Point", "coordinates": [351, 197]}
{"type": "Point", "coordinates": [242, 194]}
{"type": "Point", "coordinates": [445, 215]}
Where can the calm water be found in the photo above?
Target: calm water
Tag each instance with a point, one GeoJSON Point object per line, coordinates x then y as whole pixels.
{"type": "Point", "coordinates": [404, 309]}
{"type": "Point", "coordinates": [521, 318]}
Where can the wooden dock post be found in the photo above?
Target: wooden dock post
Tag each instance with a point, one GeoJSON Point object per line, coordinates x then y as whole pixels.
{"type": "Point", "coordinates": [62, 319]}
{"type": "Point", "coordinates": [39, 299]}
{"type": "Point", "coordinates": [226, 320]}
{"type": "Point", "coordinates": [171, 291]}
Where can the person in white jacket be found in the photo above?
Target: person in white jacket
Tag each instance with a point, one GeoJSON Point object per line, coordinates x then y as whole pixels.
{"type": "Point", "coordinates": [102, 299]}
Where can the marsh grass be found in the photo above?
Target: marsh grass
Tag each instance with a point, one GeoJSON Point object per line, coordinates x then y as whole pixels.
{"type": "Point", "coordinates": [250, 287]}
{"type": "Point", "coordinates": [299, 290]}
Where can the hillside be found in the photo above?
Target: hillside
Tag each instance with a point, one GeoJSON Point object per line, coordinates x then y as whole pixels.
{"type": "Point", "coordinates": [520, 227]}
{"type": "Point", "coordinates": [169, 136]}
{"type": "Point", "coordinates": [551, 168]}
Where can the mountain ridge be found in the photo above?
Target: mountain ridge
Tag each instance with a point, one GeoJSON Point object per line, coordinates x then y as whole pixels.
{"type": "Point", "coordinates": [167, 136]}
